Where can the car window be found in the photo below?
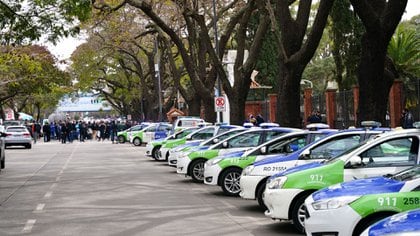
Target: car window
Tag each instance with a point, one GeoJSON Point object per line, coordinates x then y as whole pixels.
{"type": "Point", "coordinates": [272, 135]}
{"type": "Point", "coordinates": [335, 147]}
{"type": "Point", "coordinates": [203, 134]}
{"type": "Point", "coordinates": [164, 128]}
{"type": "Point", "coordinates": [396, 151]}
{"type": "Point", "coordinates": [221, 130]}
{"type": "Point", "coordinates": [136, 128]}
{"type": "Point", "coordinates": [16, 129]}
{"type": "Point", "coordinates": [245, 140]}
{"type": "Point", "coordinates": [287, 146]}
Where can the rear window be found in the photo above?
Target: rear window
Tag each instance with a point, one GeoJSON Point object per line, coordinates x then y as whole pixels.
{"type": "Point", "coordinates": [16, 129]}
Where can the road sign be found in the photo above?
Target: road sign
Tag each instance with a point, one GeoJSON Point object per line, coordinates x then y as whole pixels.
{"type": "Point", "coordinates": [220, 104]}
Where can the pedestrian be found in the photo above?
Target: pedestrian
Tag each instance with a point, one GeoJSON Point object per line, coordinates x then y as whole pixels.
{"type": "Point", "coordinates": [259, 119]}
{"type": "Point", "coordinates": [63, 131]}
{"type": "Point", "coordinates": [47, 132]}
{"type": "Point", "coordinates": [53, 130]}
{"type": "Point", "coordinates": [113, 131]}
{"type": "Point", "coordinates": [315, 117]}
{"type": "Point", "coordinates": [36, 130]}
{"type": "Point", "coordinates": [407, 119]}
{"type": "Point", "coordinates": [83, 131]}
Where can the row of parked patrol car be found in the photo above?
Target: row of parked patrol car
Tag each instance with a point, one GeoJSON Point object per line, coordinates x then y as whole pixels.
{"type": "Point", "coordinates": [324, 181]}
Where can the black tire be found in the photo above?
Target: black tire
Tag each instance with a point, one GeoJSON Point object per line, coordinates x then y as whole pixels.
{"type": "Point", "coordinates": [260, 195]}
{"type": "Point", "coordinates": [229, 181]}
{"type": "Point", "coordinates": [197, 171]}
{"type": "Point", "coordinates": [28, 146]}
{"type": "Point", "coordinates": [3, 163]}
{"type": "Point", "coordinates": [298, 213]}
{"type": "Point", "coordinates": [137, 141]}
{"type": "Point", "coordinates": [155, 152]}
{"type": "Point", "coordinates": [121, 139]}
{"type": "Point", "coordinates": [365, 223]}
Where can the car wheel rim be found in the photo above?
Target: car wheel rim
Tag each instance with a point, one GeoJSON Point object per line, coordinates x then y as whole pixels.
{"type": "Point", "coordinates": [301, 215]}
{"type": "Point", "coordinates": [136, 142]}
{"type": "Point", "coordinates": [198, 171]}
{"type": "Point", "coordinates": [232, 182]}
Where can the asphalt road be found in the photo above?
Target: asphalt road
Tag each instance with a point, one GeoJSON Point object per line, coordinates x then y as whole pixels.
{"type": "Point", "coordinates": [99, 188]}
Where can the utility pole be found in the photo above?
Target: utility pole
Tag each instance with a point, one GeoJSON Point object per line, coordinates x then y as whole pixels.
{"type": "Point", "coordinates": [216, 45]}
{"type": "Point", "coordinates": [157, 64]}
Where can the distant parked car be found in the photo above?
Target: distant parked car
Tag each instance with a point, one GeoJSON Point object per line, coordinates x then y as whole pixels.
{"type": "Point", "coordinates": [2, 147]}
{"type": "Point", "coordinates": [18, 135]}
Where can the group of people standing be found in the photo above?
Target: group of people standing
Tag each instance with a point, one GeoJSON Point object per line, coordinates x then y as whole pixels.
{"type": "Point", "coordinates": [68, 131]}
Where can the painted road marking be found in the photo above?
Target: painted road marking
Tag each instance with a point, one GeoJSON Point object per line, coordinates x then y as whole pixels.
{"type": "Point", "coordinates": [39, 207]}
{"type": "Point", "coordinates": [28, 226]}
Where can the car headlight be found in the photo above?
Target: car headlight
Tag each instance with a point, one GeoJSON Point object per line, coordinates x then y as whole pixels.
{"type": "Point", "coordinates": [333, 203]}
{"type": "Point", "coordinates": [213, 161]}
{"type": "Point", "coordinates": [248, 170]}
{"type": "Point", "coordinates": [276, 183]}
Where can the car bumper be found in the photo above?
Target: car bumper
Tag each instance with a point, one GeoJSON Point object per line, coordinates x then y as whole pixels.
{"type": "Point", "coordinates": [211, 174]}
{"type": "Point", "coordinates": [278, 202]}
{"type": "Point", "coordinates": [173, 157]}
{"type": "Point", "coordinates": [17, 141]}
{"type": "Point", "coordinates": [340, 221]}
{"type": "Point", "coordinates": [249, 185]}
{"type": "Point", "coordinates": [182, 165]}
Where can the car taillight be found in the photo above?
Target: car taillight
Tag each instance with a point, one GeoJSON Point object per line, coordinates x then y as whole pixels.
{"type": "Point", "coordinates": [8, 134]}
{"type": "Point", "coordinates": [26, 135]}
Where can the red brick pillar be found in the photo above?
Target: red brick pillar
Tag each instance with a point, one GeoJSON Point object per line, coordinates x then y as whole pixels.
{"type": "Point", "coordinates": [355, 103]}
{"type": "Point", "coordinates": [273, 107]}
{"type": "Point", "coordinates": [395, 103]}
{"type": "Point", "coordinates": [307, 103]}
{"type": "Point", "coordinates": [331, 106]}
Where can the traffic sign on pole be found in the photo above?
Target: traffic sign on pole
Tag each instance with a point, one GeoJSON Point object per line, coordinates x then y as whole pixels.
{"type": "Point", "coordinates": [220, 104]}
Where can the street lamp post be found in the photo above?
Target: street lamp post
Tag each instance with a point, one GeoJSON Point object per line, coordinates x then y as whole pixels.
{"type": "Point", "coordinates": [156, 49]}
{"type": "Point", "coordinates": [216, 45]}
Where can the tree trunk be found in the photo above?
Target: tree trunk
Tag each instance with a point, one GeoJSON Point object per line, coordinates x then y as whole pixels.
{"type": "Point", "coordinates": [237, 108]}
{"type": "Point", "coordinates": [194, 107]}
{"type": "Point", "coordinates": [374, 86]}
{"type": "Point", "coordinates": [288, 97]}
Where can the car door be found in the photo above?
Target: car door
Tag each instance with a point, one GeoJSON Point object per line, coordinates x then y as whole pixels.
{"type": "Point", "coordinates": [386, 157]}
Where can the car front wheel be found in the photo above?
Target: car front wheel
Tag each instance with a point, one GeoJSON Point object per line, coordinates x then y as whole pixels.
{"type": "Point", "coordinates": [155, 152]}
{"type": "Point", "coordinates": [230, 182]}
{"type": "Point", "coordinates": [298, 213]}
{"type": "Point", "coordinates": [121, 139]}
{"type": "Point", "coordinates": [197, 171]}
{"type": "Point", "coordinates": [137, 142]}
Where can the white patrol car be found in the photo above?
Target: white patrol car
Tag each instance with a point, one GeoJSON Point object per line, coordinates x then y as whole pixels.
{"type": "Point", "coordinates": [385, 153]}
{"type": "Point", "coordinates": [254, 177]}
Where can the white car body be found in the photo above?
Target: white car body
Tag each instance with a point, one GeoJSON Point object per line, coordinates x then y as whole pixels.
{"type": "Point", "coordinates": [279, 200]}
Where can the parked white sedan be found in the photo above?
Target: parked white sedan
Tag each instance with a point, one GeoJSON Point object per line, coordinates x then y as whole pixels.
{"type": "Point", "coordinates": [18, 135]}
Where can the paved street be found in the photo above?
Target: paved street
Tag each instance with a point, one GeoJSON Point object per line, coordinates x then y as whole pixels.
{"type": "Point", "coordinates": [99, 188]}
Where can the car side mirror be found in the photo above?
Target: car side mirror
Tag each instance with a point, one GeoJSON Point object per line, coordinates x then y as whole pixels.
{"type": "Point", "coordinates": [354, 161]}
{"type": "Point", "coordinates": [3, 134]}
{"type": "Point", "coordinates": [216, 140]}
{"type": "Point", "coordinates": [305, 155]}
{"type": "Point", "coordinates": [263, 150]}
{"type": "Point", "coordinates": [225, 144]}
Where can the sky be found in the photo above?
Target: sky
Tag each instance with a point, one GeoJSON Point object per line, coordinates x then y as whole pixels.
{"type": "Point", "coordinates": [65, 47]}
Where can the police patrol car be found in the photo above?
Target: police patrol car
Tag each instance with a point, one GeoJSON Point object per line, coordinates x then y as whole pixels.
{"type": "Point", "coordinates": [150, 133]}
{"type": "Point", "coordinates": [254, 177]}
{"type": "Point", "coordinates": [200, 145]}
{"type": "Point", "coordinates": [193, 163]}
{"type": "Point", "coordinates": [198, 135]}
{"type": "Point", "coordinates": [153, 147]}
{"type": "Point", "coordinates": [349, 208]}
{"type": "Point", "coordinates": [385, 153]}
{"type": "Point", "coordinates": [403, 224]}
{"type": "Point", "coordinates": [123, 136]}
{"type": "Point", "coordinates": [226, 171]}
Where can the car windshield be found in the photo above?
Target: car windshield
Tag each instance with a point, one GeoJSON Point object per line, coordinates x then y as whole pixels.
{"type": "Point", "coordinates": [336, 158]}
{"type": "Point", "coordinates": [406, 175]}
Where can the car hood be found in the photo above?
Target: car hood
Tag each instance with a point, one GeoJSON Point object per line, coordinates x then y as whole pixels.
{"type": "Point", "coordinates": [359, 187]}
{"type": "Point", "coordinates": [402, 222]}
